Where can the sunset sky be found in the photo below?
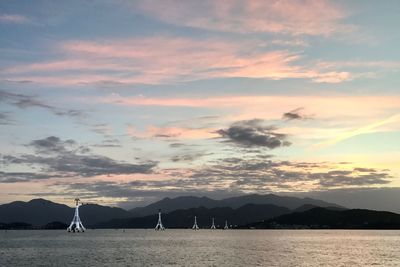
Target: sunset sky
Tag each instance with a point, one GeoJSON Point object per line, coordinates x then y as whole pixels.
{"type": "Point", "coordinates": [126, 102]}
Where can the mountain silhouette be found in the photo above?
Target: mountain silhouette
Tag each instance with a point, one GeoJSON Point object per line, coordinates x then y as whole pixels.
{"type": "Point", "coordinates": [184, 218]}
{"type": "Point", "coordinates": [39, 212]}
{"type": "Point", "coordinates": [325, 218]}
{"type": "Point", "coordinates": [186, 202]}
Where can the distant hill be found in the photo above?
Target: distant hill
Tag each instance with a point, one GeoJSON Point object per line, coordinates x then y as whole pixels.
{"type": "Point", "coordinates": [325, 218]}
{"type": "Point", "coordinates": [306, 207]}
{"type": "Point", "coordinates": [39, 212]}
{"type": "Point", "coordinates": [184, 218]}
{"type": "Point", "coordinates": [170, 204]}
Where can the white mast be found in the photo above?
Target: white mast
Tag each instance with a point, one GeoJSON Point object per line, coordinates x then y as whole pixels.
{"type": "Point", "coordinates": [76, 224]}
{"type": "Point", "coordinates": [226, 227]}
{"type": "Point", "coordinates": [213, 225]}
{"type": "Point", "coordinates": [195, 226]}
{"type": "Point", "coordinates": [159, 225]}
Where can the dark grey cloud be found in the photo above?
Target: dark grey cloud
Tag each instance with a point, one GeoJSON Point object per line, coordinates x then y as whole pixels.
{"type": "Point", "coordinates": [176, 145]}
{"type": "Point", "coordinates": [295, 114]}
{"type": "Point", "coordinates": [62, 158]}
{"type": "Point", "coordinates": [188, 156]}
{"type": "Point", "coordinates": [268, 174]}
{"type": "Point", "coordinates": [5, 118]}
{"type": "Point", "coordinates": [51, 144]}
{"type": "Point", "coordinates": [350, 178]}
{"type": "Point", "coordinates": [231, 176]}
{"type": "Point", "coordinates": [253, 133]}
{"type": "Point", "coordinates": [17, 177]}
{"type": "Point", "coordinates": [109, 143]}
{"type": "Point", "coordinates": [24, 101]}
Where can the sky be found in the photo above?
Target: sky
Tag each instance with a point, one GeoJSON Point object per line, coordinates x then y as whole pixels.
{"type": "Point", "coordinates": [126, 102]}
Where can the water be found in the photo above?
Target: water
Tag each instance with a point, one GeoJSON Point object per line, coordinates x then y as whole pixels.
{"type": "Point", "coordinates": [200, 248]}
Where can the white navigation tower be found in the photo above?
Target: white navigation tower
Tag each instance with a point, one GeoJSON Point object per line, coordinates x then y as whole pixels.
{"type": "Point", "coordinates": [159, 225]}
{"type": "Point", "coordinates": [195, 226]}
{"type": "Point", "coordinates": [76, 224]}
{"type": "Point", "coordinates": [213, 225]}
{"type": "Point", "coordinates": [226, 227]}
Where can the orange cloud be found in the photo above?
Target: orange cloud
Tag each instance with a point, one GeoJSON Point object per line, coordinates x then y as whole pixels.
{"type": "Point", "coordinates": [334, 115]}
{"type": "Point", "coordinates": [173, 132]}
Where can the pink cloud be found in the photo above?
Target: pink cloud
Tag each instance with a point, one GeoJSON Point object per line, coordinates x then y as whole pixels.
{"type": "Point", "coordinates": [167, 60]}
{"type": "Point", "coordinates": [310, 17]}
{"type": "Point", "coordinates": [173, 132]}
{"type": "Point", "coordinates": [346, 111]}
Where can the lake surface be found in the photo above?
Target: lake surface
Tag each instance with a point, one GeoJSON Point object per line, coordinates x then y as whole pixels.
{"type": "Point", "coordinates": [200, 248]}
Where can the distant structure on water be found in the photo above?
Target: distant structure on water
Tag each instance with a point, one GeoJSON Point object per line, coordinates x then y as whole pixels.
{"type": "Point", "coordinates": [195, 226]}
{"type": "Point", "coordinates": [159, 225]}
{"type": "Point", "coordinates": [213, 225]}
{"type": "Point", "coordinates": [76, 224]}
{"type": "Point", "coordinates": [226, 227]}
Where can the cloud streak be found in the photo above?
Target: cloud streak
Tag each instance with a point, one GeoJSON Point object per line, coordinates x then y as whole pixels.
{"type": "Point", "coordinates": [317, 18]}
{"type": "Point", "coordinates": [13, 19]}
{"type": "Point", "coordinates": [168, 59]}
{"type": "Point", "coordinates": [363, 130]}
{"type": "Point", "coordinates": [24, 101]}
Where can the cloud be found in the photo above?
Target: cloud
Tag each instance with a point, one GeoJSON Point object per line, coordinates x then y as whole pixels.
{"type": "Point", "coordinates": [295, 115]}
{"type": "Point", "coordinates": [310, 17]}
{"type": "Point", "coordinates": [255, 174]}
{"type": "Point", "coordinates": [52, 144]}
{"type": "Point", "coordinates": [18, 177]}
{"type": "Point", "coordinates": [231, 176]}
{"type": "Point", "coordinates": [337, 114]}
{"type": "Point", "coordinates": [65, 158]}
{"type": "Point", "coordinates": [5, 118]}
{"type": "Point", "coordinates": [24, 101]}
{"type": "Point", "coordinates": [160, 60]}
{"type": "Point", "coordinates": [13, 19]}
{"type": "Point", "coordinates": [363, 130]}
{"type": "Point", "coordinates": [172, 132]}
{"type": "Point", "coordinates": [188, 156]}
{"type": "Point", "coordinates": [254, 133]}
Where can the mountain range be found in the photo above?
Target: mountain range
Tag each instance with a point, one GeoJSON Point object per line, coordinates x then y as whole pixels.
{"type": "Point", "coordinates": [184, 218]}
{"type": "Point", "coordinates": [247, 211]}
{"type": "Point", "coordinates": [187, 202]}
{"type": "Point", "coordinates": [39, 212]}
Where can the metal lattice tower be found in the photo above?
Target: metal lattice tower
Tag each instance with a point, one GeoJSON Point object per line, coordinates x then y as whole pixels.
{"type": "Point", "coordinates": [159, 225]}
{"type": "Point", "coordinates": [226, 227]}
{"type": "Point", "coordinates": [213, 225]}
{"type": "Point", "coordinates": [195, 226]}
{"type": "Point", "coordinates": [76, 224]}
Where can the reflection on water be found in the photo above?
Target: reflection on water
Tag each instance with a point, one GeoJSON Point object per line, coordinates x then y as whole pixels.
{"type": "Point", "coordinates": [200, 248]}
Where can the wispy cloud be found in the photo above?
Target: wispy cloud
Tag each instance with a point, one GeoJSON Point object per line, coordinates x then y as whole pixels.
{"type": "Point", "coordinates": [30, 101]}
{"type": "Point", "coordinates": [309, 17]}
{"type": "Point", "coordinates": [166, 59]}
{"type": "Point", "coordinates": [363, 130]}
{"type": "Point", "coordinates": [59, 158]}
{"type": "Point", "coordinates": [14, 19]}
{"type": "Point", "coordinates": [172, 132]}
{"type": "Point", "coordinates": [273, 106]}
